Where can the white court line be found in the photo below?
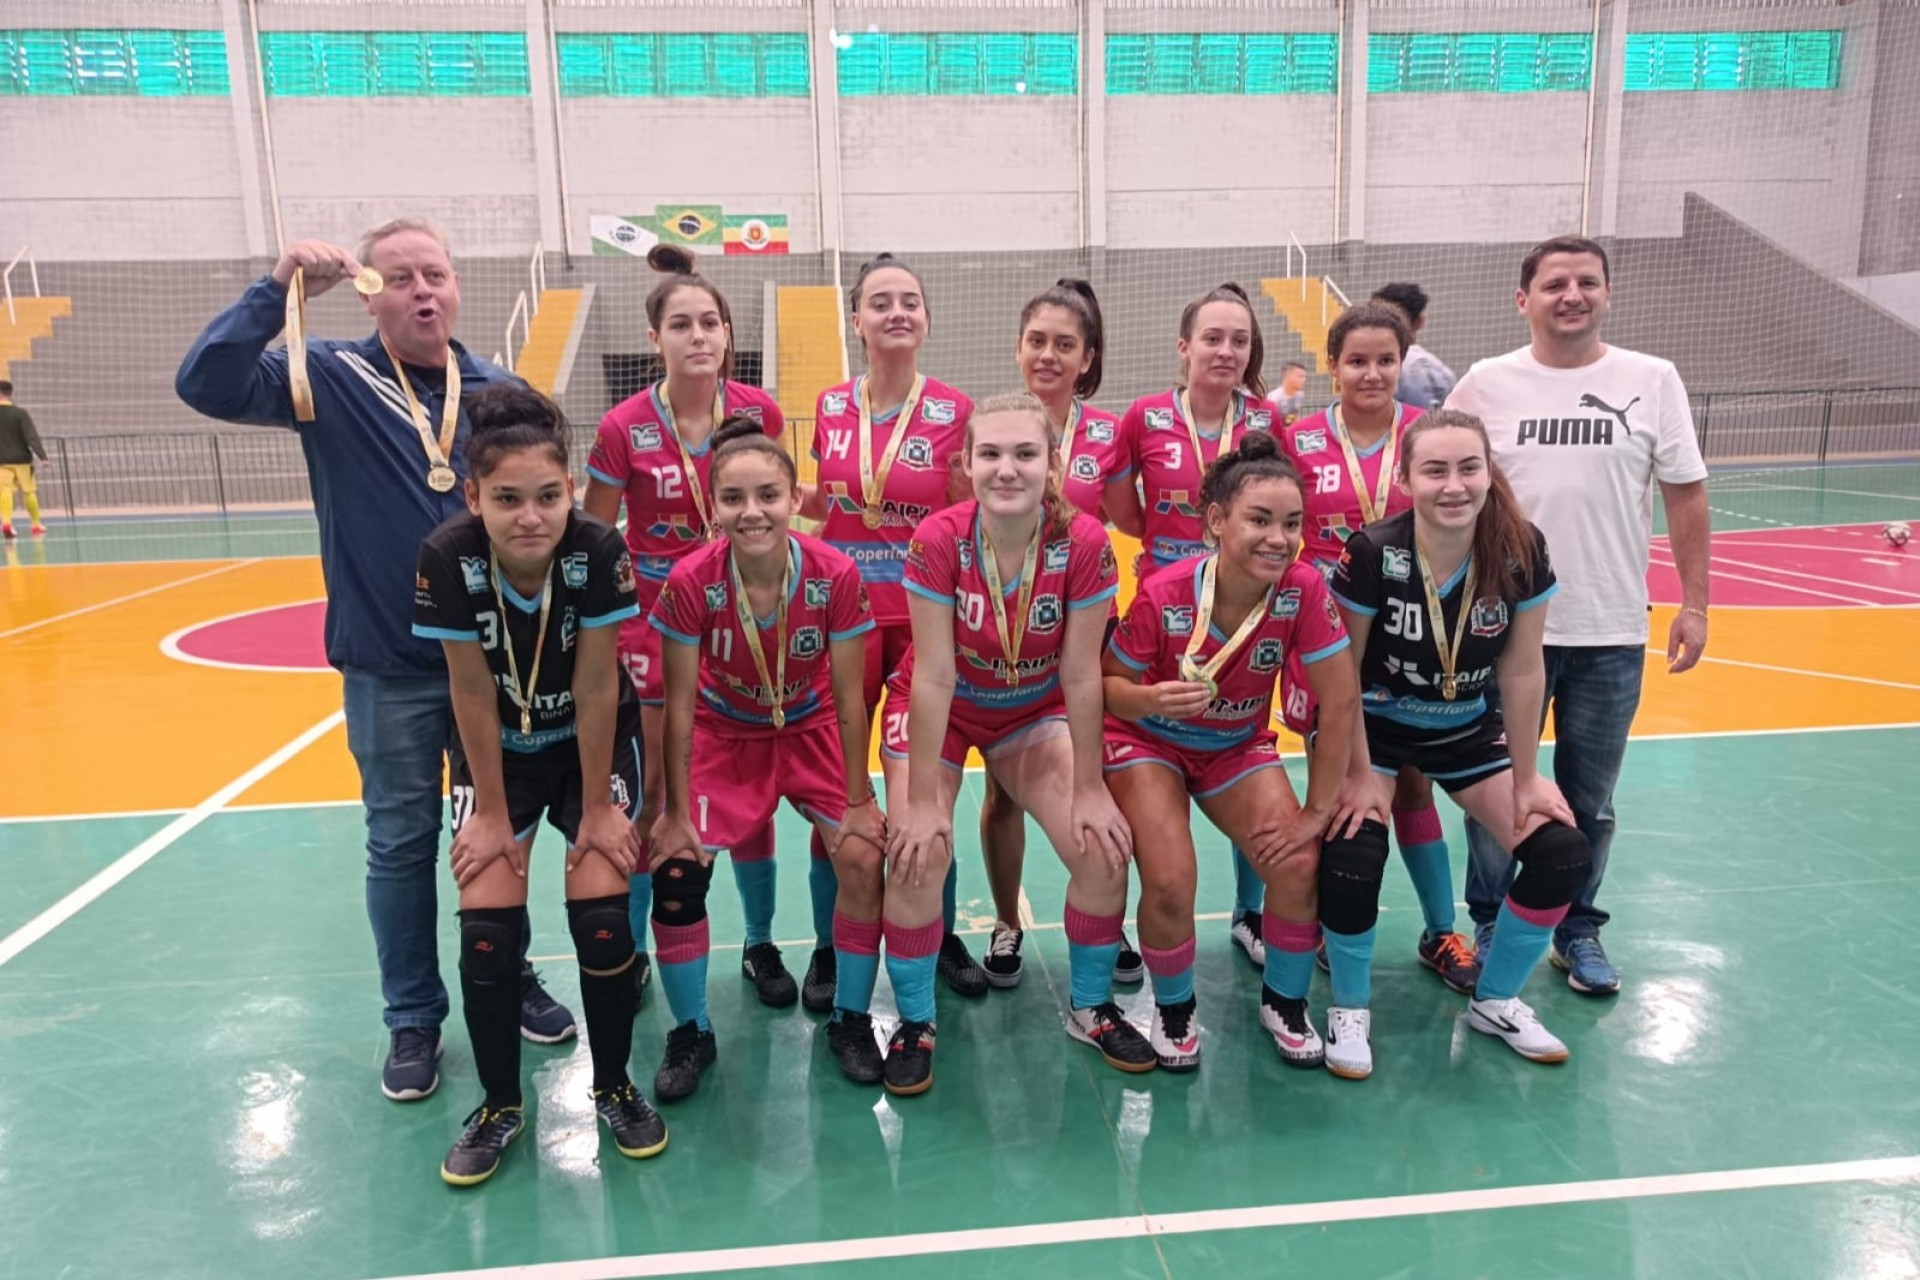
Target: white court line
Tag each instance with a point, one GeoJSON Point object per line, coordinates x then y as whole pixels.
{"type": "Point", "coordinates": [156, 844]}
{"type": "Point", "coordinates": [1851, 493]}
{"type": "Point", "coordinates": [1151, 1225]}
{"type": "Point", "coordinates": [171, 645]}
{"type": "Point", "coordinates": [1777, 586]}
{"type": "Point", "coordinates": [1820, 577]}
{"type": "Point", "coordinates": [1799, 671]}
{"type": "Point", "coordinates": [108, 604]}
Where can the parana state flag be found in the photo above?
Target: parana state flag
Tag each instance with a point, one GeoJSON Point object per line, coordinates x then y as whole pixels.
{"type": "Point", "coordinates": [756, 233]}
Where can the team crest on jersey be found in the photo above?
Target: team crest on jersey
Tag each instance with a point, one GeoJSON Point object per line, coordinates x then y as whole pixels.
{"type": "Point", "coordinates": [1085, 468]}
{"type": "Point", "coordinates": [716, 595]}
{"type": "Point", "coordinates": [573, 570]}
{"type": "Point", "coordinates": [1333, 614]}
{"type": "Point", "coordinates": [1286, 604]}
{"type": "Point", "coordinates": [1176, 619]}
{"type": "Point", "coordinates": [1309, 441]}
{"type": "Point", "coordinates": [1054, 558]}
{"type": "Point", "coordinates": [1159, 419]}
{"type": "Point", "coordinates": [833, 402]}
{"type": "Point", "coordinates": [1045, 615]}
{"type": "Point", "coordinates": [644, 439]}
{"type": "Point", "coordinates": [1396, 563]}
{"type": "Point", "coordinates": [1259, 419]}
{"type": "Point", "coordinates": [1100, 432]}
{"type": "Point", "coordinates": [617, 793]}
{"type": "Point", "coordinates": [963, 552]}
{"type": "Point", "coordinates": [807, 642]}
{"type": "Point", "coordinates": [473, 572]}
{"type": "Point", "coordinates": [569, 630]}
{"type": "Point", "coordinates": [817, 592]}
{"type": "Point", "coordinates": [1266, 656]}
{"type": "Point", "coordinates": [1489, 617]}
{"type": "Point", "coordinates": [623, 572]}
{"type": "Point", "coordinates": [937, 413]}
{"type": "Point", "coordinates": [1108, 566]}
{"type": "Point", "coordinates": [916, 452]}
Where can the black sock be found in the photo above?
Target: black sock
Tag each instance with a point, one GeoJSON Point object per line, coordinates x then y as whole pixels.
{"type": "Point", "coordinates": [490, 944]}
{"type": "Point", "coordinates": [600, 930]}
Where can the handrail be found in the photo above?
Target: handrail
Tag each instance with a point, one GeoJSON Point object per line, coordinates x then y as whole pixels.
{"type": "Point", "coordinates": [537, 276]}
{"type": "Point", "coordinates": [6, 279]}
{"type": "Point", "coordinates": [1294, 246]}
{"type": "Point", "coordinates": [1327, 286]}
{"type": "Point", "coordinates": [522, 314]}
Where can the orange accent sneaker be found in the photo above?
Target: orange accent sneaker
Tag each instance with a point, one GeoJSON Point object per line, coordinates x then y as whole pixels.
{"type": "Point", "coordinates": [1452, 956]}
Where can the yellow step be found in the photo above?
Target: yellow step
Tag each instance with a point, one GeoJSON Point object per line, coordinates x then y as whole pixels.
{"type": "Point", "coordinates": [539, 361]}
{"type": "Point", "coordinates": [32, 318]}
{"type": "Point", "coordinates": [1309, 312]}
{"type": "Point", "coordinates": [811, 359]}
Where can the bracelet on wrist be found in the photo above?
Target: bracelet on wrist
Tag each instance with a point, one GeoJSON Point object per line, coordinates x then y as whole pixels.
{"type": "Point", "coordinates": [1694, 609]}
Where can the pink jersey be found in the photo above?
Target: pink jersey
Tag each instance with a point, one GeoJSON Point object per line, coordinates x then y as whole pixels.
{"type": "Point", "coordinates": [1094, 457]}
{"type": "Point", "coordinates": [1154, 441]}
{"type": "Point", "coordinates": [1073, 572]}
{"type": "Point", "coordinates": [1150, 639]}
{"type": "Point", "coordinates": [696, 607]}
{"type": "Point", "coordinates": [1333, 507]}
{"type": "Point", "coordinates": [636, 451]}
{"type": "Point", "coordinates": [917, 486]}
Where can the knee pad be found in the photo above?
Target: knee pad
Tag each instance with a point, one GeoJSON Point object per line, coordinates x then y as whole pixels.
{"type": "Point", "coordinates": [680, 891]}
{"type": "Point", "coordinates": [490, 943]}
{"type": "Point", "coordinates": [1554, 864]}
{"type": "Point", "coordinates": [602, 933]}
{"type": "Point", "coordinates": [1350, 874]}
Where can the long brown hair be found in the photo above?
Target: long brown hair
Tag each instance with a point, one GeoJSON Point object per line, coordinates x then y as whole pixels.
{"type": "Point", "coordinates": [681, 270]}
{"type": "Point", "coordinates": [1257, 350]}
{"type": "Point", "coordinates": [1075, 297]}
{"type": "Point", "coordinates": [1056, 513]}
{"type": "Point", "coordinates": [1503, 537]}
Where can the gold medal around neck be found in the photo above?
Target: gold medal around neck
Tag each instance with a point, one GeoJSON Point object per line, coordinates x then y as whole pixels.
{"type": "Point", "coordinates": [1193, 673]}
{"type": "Point", "coordinates": [1192, 669]}
{"type": "Point", "coordinates": [872, 518]}
{"type": "Point", "coordinates": [368, 281]}
{"type": "Point", "coordinates": [442, 479]}
{"type": "Point", "coordinates": [1447, 649]}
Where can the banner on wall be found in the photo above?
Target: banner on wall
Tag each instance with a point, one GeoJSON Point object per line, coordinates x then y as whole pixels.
{"type": "Point", "coordinates": [695, 225]}
{"type": "Point", "coordinates": [756, 233]}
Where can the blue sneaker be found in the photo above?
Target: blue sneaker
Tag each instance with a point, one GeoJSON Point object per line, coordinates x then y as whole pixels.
{"type": "Point", "coordinates": [543, 1019]}
{"type": "Point", "coordinates": [1482, 939]}
{"type": "Point", "coordinates": [411, 1073]}
{"type": "Point", "coordinates": [1588, 970]}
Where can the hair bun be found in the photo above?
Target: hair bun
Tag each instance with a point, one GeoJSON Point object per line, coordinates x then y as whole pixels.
{"type": "Point", "coordinates": [672, 260]}
{"type": "Point", "coordinates": [1256, 446]}
{"type": "Point", "coordinates": [507, 406]}
{"type": "Point", "coordinates": [1238, 290]}
{"type": "Point", "coordinates": [1082, 287]}
{"type": "Point", "coordinates": [737, 426]}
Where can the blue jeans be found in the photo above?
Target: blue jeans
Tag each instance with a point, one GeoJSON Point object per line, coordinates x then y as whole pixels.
{"type": "Point", "coordinates": [397, 729]}
{"type": "Point", "coordinates": [1592, 694]}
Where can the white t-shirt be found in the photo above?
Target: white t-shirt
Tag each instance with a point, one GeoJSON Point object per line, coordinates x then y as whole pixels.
{"type": "Point", "coordinates": [1582, 448]}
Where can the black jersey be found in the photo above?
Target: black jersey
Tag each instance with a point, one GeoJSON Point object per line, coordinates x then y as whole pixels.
{"type": "Point", "coordinates": [1400, 676]}
{"type": "Point", "coordinates": [458, 597]}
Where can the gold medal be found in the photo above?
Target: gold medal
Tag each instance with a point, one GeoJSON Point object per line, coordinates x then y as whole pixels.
{"type": "Point", "coordinates": [521, 695]}
{"type": "Point", "coordinates": [1373, 508]}
{"type": "Point", "coordinates": [874, 484]}
{"type": "Point", "coordinates": [1193, 673]}
{"type": "Point", "coordinates": [695, 489]}
{"type": "Point", "coordinates": [299, 386]}
{"type": "Point", "coordinates": [779, 717]}
{"type": "Point", "coordinates": [1012, 635]}
{"type": "Point", "coordinates": [440, 477]}
{"type": "Point", "coordinates": [1448, 649]}
{"type": "Point", "coordinates": [368, 281]}
{"type": "Point", "coordinates": [872, 518]}
{"type": "Point", "coordinates": [1208, 673]}
{"type": "Point", "coordinates": [775, 682]}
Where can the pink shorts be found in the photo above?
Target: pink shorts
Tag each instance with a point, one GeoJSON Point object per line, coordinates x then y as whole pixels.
{"type": "Point", "coordinates": [1206, 773]}
{"type": "Point", "coordinates": [640, 652]}
{"type": "Point", "coordinates": [887, 646]}
{"type": "Point", "coordinates": [993, 736]}
{"type": "Point", "coordinates": [739, 781]}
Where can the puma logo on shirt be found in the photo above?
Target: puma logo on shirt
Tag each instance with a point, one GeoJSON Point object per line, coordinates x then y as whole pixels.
{"type": "Point", "coordinates": [1577, 431]}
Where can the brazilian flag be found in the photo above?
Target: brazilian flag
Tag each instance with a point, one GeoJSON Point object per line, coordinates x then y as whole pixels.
{"type": "Point", "coordinates": [688, 224]}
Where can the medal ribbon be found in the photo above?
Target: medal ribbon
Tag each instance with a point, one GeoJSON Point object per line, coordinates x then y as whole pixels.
{"type": "Point", "coordinates": [872, 485]}
{"type": "Point", "coordinates": [1234, 407]}
{"type": "Point", "coordinates": [298, 383]}
{"type": "Point", "coordinates": [521, 695]}
{"type": "Point", "coordinates": [1376, 507]}
{"type": "Point", "coordinates": [1014, 635]}
{"type": "Point", "coordinates": [1075, 413]}
{"type": "Point", "coordinates": [776, 683]}
{"type": "Point", "coordinates": [1449, 650]}
{"type": "Point", "coordinates": [695, 489]}
{"type": "Point", "coordinates": [436, 450]}
{"type": "Point", "coordinates": [1206, 673]}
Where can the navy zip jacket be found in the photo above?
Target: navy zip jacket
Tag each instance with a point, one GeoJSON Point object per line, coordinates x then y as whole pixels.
{"type": "Point", "coordinates": [364, 462]}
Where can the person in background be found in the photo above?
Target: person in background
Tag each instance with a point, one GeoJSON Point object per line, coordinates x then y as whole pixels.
{"type": "Point", "coordinates": [1290, 397]}
{"type": "Point", "coordinates": [19, 446]}
{"type": "Point", "coordinates": [1425, 379]}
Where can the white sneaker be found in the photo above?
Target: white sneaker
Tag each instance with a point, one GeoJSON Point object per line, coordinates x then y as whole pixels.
{"type": "Point", "coordinates": [1515, 1023]}
{"type": "Point", "coordinates": [1291, 1027]}
{"type": "Point", "coordinates": [1349, 1049]}
{"type": "Point", "coordinates": [1175, 1036]}
{"type": "Point", "coordinates": [1246, 935]}
{"type": "Point", "coordinates": [1002, 961]}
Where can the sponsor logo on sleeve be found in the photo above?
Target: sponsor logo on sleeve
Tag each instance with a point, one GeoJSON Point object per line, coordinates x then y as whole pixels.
{"type": "Point", "coordinates": [473, 572]}
{"type": "Point", "coordinates": [1309, 441]}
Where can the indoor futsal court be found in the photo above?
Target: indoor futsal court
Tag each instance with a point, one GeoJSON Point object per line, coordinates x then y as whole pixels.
{"type": "Point", "coordinates": [187, 1029]}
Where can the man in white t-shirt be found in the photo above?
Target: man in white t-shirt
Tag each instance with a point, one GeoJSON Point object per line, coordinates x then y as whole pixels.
{"type": "Point", "coordinates": [1583, 431]}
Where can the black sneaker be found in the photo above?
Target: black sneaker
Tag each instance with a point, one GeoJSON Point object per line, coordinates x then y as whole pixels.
{"type": "Point", "coordinates": [1128, 967]}
{"type": "Point", "coordinates": [1002, 965]}
{"type": "Point", "coordinates": [822, 982]}
{"type": "Point", "coordinates": [543, 1019]}
{"type": "Point", "coordinates": [850, 1036]}
{"type": "Point", "coordinates": [642, 975]}
{"type": "Point", "coordinates": [909, 1068]}
{"type": "Point", "coordinates": [638, 1130]}
{"type": "Point", "coordinates": [477, 1154]}
{"type": "Point", "coordinates": [958, 969]}
{"type": "Point", "coordinates": [690, 1051]}
{"type": "Point", "coordinates": [761, 964]}
{"type": "Point", "coordinates": [410, 1073]}
{"type": "Point", "coordinates": [1106, 1028]}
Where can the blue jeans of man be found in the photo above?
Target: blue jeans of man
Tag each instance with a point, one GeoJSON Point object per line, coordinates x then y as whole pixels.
{"type": "Point", "coordinates": [1592, 694]}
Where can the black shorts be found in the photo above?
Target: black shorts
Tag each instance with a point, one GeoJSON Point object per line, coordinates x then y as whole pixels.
{"type": "Point", "coordinates": [550, 785]}
{"type": "Point", "coordinates": [1456, 759]}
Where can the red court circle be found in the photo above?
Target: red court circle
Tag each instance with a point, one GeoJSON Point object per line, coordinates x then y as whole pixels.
{"type": "Point", "coordinates": [283, 638]}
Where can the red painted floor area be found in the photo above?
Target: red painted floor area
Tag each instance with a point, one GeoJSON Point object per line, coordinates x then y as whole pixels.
{"type": "Point", "coordinates": [287, 638]}
{"type": "Point", "coordinates": [1837, 567]}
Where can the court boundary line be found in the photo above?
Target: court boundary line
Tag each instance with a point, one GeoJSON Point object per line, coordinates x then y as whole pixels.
{"type": "Point", "coordinates": [782, 1257]}
{"type": "Point", "coordinates": [227, 567]}
{"type": "Point", "coordinates": [154, 845]}
{"type": "Point", "coordinates": [170, 645]}
{"type": "Point", "coordinates": [1794, 671]}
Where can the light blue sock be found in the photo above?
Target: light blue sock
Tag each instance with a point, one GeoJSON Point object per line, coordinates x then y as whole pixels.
{"type": "Point", "coordinates": [639, 907]}
{"type": "Point", "coordinates": [853, 988]}
{"type": "Point", "coordinates": [755, 881]}
{"type": "Point", "coordinates": [823, 886]}
{"type": "Point", "coordinates": [1350, 957]}
{"type": "Point", "coordinates": [1249, 891]}
{"type": "Point", "coordinates": [1289, 972]}
{"type": "Point", "coordinates": [912, 978]}
{"type": "Point", "coordinates": [1091, 966]}
{"type": "Point", "coordinates": [684, 977]}
{"type": "Point", "coordinates": [1509, 960]}
{"type": "Point", "coordinates": [1432, 874]}
{"type": "Point", "coordinates": [949, 896]}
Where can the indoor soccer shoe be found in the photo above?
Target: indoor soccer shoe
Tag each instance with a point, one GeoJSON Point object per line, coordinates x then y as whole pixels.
{"type": "Point", "coordinates": [1587, 968]}
{"type": "Point", "coordinates": [1515, 1023]}
{"type": "Point", "coordinates": [543, 1019]}
{"type": "Point", "coordinates": [1002, 965]}
{"type": "Point", "coordinates": [1349, 1042]}
{"type": "Point", "coordinates": [822, 982]}
{"type": "Point", "coordinates": [690, 1051]}
{"type": "Point", "coordinates": [1128, 967]}
{"type": "Point", "coordinates": [1246, 936]}
{"type": "Point", "coordinates": [1175, 1036]}
{"type": "Point", "coordinates": [477, 1154]}
{"type": "Point", "coordinates": [850, 1036]}
{"type": "Point", "coordinates": [1291, 1027]}
{"type": "Point", "coordinates": [638, 1131]}
{"type": "Point", "coordinates": [1452, 956]}
{"type": "Point", "coordinates": [38, 531]}
{"type": "Point", "coordinates": [958, 970]}
{"type": "Point", "coordinates": [411, 1073]}
{"type": "Point", "coordinates": [1119, 1041]}
{"type": "Point", "coordinates": [909, 1066]}
{"type": "Point", "coordinates": [761, 965]}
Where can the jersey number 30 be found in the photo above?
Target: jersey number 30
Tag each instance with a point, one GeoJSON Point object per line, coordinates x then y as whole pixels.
{"type": "Point", "coordinates": [1404, 619]}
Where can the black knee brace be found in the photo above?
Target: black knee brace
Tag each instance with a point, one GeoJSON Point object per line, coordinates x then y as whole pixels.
{"type": "Point", "coordinates": [602, 934]}
{"type": "Point", "coordinates": [1350, 876]}
{"type": "Point", "coordinates": [490, 943]}
{"type": "Point", "coordinates": [1554, 864]}
{"type": "Point", "coordinates": [680, 891]}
